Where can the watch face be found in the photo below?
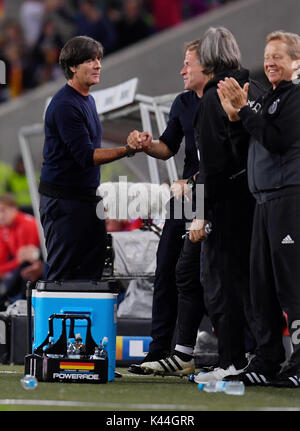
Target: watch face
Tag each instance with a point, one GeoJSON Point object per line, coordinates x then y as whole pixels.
{"type": "Point", "coordinates": [190, 183]}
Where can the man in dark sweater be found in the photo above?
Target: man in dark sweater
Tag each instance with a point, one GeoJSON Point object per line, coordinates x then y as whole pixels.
{"type": "Point", "coordinates": [75, 236]}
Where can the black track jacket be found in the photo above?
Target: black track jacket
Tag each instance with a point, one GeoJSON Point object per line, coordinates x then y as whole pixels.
{"type": "Point", "coordinates": [220, 160]}
{"type": "Point", "coordinates": [274, 147]}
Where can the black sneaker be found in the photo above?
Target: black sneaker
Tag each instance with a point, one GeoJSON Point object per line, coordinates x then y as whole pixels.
{"type": "Point", "coordinates": [289, 377]}
{"type": "Point", "coordinates": [253, 375]}
{"type": "Point", "coordinates": [170, 366]}
{"type": "Point", "coordinates": [137, 369]}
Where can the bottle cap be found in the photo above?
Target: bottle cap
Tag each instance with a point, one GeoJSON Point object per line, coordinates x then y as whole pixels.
{"type": "Point", "coordinates": [192, 378]}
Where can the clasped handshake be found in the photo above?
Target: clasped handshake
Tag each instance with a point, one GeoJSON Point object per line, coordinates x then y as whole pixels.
{"type": "Point", "coordinates": [139, 141]}
{"type": "Point", "coordinates": [142, 141]}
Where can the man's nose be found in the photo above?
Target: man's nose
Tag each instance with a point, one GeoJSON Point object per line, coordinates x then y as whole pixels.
{"type": "Point", "coordinates": [97, 64]}
{"type": "Point", "coordinates": [269, 62]}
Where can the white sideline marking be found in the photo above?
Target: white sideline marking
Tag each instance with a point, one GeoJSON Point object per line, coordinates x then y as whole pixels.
{"type": "Point", "coordinates": [8, 372]}
{"type": "Point", "coordinates": [54, 403]}
{"type": "Point", "coordinates": [47, 403]}
{"type": "Point", "coordinates": [281, 409]}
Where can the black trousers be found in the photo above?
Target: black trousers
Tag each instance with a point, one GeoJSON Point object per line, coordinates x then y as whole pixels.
{"type": "Point", "coordinates": [275, 277]}
{"type": "Point", "coordinates": [191, 307]}
{"type": "Point", "coordinates": [75, 239]}
{"type": "Point", "coordinates": [164, 306]}
{"type": "Point", "coordinates": [165, 297]}
{"type": "Point", "coordinates": [225, 257]}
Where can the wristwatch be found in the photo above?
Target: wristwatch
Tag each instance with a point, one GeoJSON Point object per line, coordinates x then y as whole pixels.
{"type": "Point", "coordinates": [129, 151]}
{"type": "Point", "coordinates": [208, 227]}
{"type": "Point", "coordinates": [191, 182]}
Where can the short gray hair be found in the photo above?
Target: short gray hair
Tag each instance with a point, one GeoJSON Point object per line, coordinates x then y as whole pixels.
{"type": "Point", "coordinates": [218, 51]}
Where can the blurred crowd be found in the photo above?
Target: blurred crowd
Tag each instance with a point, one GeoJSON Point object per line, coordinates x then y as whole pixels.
{"type": "Point", "coordinates": [30, 42]}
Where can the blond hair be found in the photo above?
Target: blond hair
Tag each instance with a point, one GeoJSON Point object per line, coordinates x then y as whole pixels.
{"type": "Point", "coordinates": [191, 46]}
{"type": "Point", "coordinates": [292, 40]}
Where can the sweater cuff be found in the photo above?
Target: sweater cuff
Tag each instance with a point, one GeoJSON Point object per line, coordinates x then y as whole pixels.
{"type": "Point", "coordinates": [234, 125]}
{"type": "Point", "coordinates": [245, 112]}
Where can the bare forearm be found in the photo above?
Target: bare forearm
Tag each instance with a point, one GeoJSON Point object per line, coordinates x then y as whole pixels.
{"type": "Point", "coordinates": [159, 150]}
{"type": "Point", "coordinates": [106, 155]}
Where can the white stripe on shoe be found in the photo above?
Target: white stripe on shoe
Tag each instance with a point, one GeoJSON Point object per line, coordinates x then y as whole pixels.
{"type": "Point", "coordinates": [294, 379]}
{"type": "Point", "coordinates": [256, 377]}
{"type": "Point", "coordinates": [171, 366]}
{"type": "Point", "coordinates": [248, 375]}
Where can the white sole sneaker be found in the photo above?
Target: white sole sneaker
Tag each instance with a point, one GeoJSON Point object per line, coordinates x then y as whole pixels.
{"type": "Point", "coordinates": [217, 374]}
{"type": "Point", "coordinates": [171, 366]}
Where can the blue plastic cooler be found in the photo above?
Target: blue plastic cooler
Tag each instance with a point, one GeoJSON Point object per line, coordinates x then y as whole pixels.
{"type": "Point", "coordinates": [101, 307]}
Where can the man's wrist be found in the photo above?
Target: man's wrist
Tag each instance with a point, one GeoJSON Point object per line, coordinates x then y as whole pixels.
{"type": "Point", "coordinates": [191, 182]}
{"type": "Point", "coordinates": [239, 110]}
{"type": "Point", "coordinates": [234, 117]}
{"type": "Point", "coordinates": [129, 151]}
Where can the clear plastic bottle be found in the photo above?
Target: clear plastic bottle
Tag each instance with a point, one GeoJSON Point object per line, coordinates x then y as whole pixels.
{"type": "Point", "coordinates": [29, 382]}
{"type": "Point", "coordinates": [72, 350]}
{"type": "Point", "coordinates": [104, 342]}
{"type": "Point", "coordinates": [103, 347]}
{"type": "Point", "coordinates": [96, 354]}
{"type": "Point", "coordinates": [230, 388]}
{"type": "Point", "coordinates": [80, 347]}
{"type": "Point", "coordinates": [101, 350]}
{"type": "Point", "coordinates": [234, 388]}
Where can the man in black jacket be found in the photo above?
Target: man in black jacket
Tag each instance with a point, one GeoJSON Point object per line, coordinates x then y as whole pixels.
{"type": "Point", "coordinates": [274, 180]}
{"type": "Point", "coordinates": [228, 205]}
{"type": "Point", "coordinates": [180, 125]}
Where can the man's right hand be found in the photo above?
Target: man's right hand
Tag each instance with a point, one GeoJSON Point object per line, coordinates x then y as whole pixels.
{"type": "Point", "coordinates": [139, 141]}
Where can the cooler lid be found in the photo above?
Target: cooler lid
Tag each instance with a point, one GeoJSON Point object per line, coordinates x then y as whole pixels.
{"type": "Point", "coordinates": [77, 286]}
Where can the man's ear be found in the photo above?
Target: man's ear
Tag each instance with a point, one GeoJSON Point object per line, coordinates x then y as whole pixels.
{"type": "Point", "coordinates": [72, 68]}
{"type": "Point", "coordinates": [296, 70]}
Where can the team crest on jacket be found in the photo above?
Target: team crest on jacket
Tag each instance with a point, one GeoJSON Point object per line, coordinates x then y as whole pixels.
{"type": "Point", "coordinates": [273, 108]}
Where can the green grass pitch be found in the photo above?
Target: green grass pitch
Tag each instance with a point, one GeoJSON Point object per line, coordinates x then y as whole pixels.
{"type": "Point", "coordinates": [136, 393]}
